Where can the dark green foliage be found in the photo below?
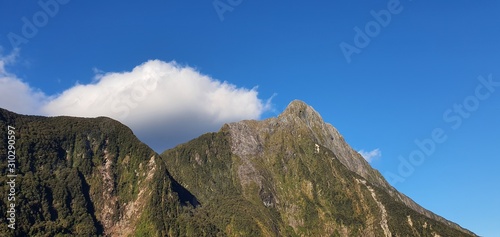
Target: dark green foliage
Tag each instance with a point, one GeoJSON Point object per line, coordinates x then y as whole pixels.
{"type": "Point", "coordinates": [308, 193]}
{"type": "Point", "coordinates": [70, 170]}
{"type": "Point", "coordinates": [93, 177]}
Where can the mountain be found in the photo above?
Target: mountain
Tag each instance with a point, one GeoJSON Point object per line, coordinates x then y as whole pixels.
{"type": "Point", "coordinates": [292, 175]}
{"type": "Point", "coordinates": [89, 177]}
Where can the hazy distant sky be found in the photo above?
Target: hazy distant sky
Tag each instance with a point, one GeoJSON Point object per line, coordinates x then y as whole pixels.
{"type": "Point", "coordinates": [413, 85]}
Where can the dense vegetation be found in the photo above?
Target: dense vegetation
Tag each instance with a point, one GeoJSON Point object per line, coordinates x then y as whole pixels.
{"type": "Point", "coordinates": [80, 177]}
{"type": "Point", "coordinates": [93, 177]}
{"type": "Point", "coordinates": [290, 187]}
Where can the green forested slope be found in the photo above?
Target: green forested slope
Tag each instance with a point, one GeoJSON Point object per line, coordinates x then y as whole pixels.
{"type": "Point", "coordinates": [274, 178]}
{"type": "Point", "coordinates": [89, 177]}
{"type": "Point", "coordinates": [286, 176]}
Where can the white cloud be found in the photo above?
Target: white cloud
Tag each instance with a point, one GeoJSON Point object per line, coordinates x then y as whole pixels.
{"type": "Point", "coordinates": [371, 155]}
{"type": "Point", "coordinates": [17, 95]}
{"type": "Point", "coordinates": [163, 103]}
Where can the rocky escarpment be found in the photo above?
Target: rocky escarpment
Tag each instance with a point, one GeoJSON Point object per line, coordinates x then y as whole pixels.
{"type": "Point", "coordinates": [292, 175]}
{"type": "Point", "coordinates": [299, 114]}
{"type": "Point", "coordinates": [304, 179]}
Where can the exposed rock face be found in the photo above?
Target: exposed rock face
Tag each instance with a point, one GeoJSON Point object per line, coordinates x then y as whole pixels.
{"type": "Point", "coordinates": [299, 116]}
{"type": "Point", "coordinates": [302, 114]}
{"type": "Point", "coordinates": [292, 175]}
{"type": "Point", "coordinates": [306, 180]}
{"type": "Point", "coordinates": [299, 119]}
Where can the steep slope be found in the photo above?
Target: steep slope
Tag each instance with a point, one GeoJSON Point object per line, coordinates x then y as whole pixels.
{"type": "Point", "coordinates": [325, 134]}
{"type": "Point", "coordinates": [294, 175]}
{"type": "Point", "coordinates": [90, 177]}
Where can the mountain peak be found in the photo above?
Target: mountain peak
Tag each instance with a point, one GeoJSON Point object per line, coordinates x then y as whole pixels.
{"type": "Point", "coordinates": [300, 169]}
{"type": "Point", "coordinates": [297, 104]}
{"type": "Point", "coordinates": [299, 110]}
{"type": "Point", "coordinates": [293, 175]}
{"type": "Point", "coordinates": [298, 107]}
{"type": "Point", "coordinates": [298, 114]}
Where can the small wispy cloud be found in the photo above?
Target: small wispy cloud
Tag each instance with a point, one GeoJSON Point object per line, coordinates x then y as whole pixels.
{"type": "Point", "coordinates": [370, 155]}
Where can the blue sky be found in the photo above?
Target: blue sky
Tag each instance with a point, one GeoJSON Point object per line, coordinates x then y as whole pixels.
{"type": "Point", "coordinates": [406, 80]}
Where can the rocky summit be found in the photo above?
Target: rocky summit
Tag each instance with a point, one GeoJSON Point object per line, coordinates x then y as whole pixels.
{"type": "Point", "coordinates": [292, 175]}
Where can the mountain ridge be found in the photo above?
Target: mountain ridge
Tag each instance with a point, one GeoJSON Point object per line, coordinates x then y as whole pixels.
{"type": "Point", "coordinates": [255, 146]}
{"type": "Point", "coordinates": [353, 160]}
{"type": "Point", "coordinates": [88, 177]}
{"type": "Point", "coordinates": [292, 175]}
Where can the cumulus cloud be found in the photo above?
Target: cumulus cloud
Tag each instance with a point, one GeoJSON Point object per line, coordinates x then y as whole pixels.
{"type": "Point", "coordinates": [164, 103]}
{"type": "Point", "coordinates": [17, 95]}
{"type": "Point", "coordinates": [371, 155]}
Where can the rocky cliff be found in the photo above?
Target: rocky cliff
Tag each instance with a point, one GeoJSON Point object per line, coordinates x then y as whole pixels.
{"type": "Point", "coordinates": [293, 175]}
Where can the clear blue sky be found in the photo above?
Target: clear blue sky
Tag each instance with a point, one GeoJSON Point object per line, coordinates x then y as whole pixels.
{"type": "Point", "coordinates": [409, 79]}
